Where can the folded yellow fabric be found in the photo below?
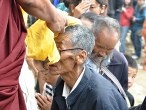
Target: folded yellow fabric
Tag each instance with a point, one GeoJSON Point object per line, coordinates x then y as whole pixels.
{"type": "Point", "coordinates": [40, 41]}
{"type": "Point", "coordinates": [25, 16]}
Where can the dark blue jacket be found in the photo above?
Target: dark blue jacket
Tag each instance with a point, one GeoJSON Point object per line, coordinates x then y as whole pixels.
{"type": "Point", "coordinates": [94, 92]}
{"type": "Point", "coordinates": [140, 107]}
{"type": "Point", "coordinates": [119, 67]}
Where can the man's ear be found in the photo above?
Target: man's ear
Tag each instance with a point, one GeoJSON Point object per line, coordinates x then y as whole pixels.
{"type": "Point", "coordinates": [81, 57]}
{"type": "Point", "coordinates": [102, 53]}
{"type": "Point", "coordinates": [72, 7]}
{"type": "Point", "coordinates": [103, 9]}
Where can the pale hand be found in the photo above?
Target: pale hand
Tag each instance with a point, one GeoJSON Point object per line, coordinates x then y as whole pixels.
{"type": "Point", "coordinates": [81, 8]}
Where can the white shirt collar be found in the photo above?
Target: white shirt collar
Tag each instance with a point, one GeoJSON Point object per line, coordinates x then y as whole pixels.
{"type": "Point", "coordinates": [66, 89]}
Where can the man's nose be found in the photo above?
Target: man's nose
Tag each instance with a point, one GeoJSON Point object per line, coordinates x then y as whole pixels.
{"type": "Point", "coordinates": [102, 54]}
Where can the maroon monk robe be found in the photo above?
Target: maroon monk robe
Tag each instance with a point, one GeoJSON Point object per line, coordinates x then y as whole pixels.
{"type": "Point", "coordinates": [12, 51]}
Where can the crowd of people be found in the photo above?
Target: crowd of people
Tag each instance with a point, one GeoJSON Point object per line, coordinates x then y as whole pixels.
{"type": "Point", "coordinates": [70, 54]}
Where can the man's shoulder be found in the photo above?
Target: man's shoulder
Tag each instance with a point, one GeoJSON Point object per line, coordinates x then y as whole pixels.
{"type": "Point", "coordinates": [118, 58]}
{"type": "Point", "coordinates": [118, 55]}
{"type": "Point", "coordinates": [97, 81]}
{"type": "Point", "coordinates": [104, 93]}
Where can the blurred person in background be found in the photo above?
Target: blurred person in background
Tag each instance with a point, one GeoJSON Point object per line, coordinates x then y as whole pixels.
{"type": "Point", "coordinates": [136, 28]}
{"type": "Point", "coordinates": [125, 22]}
{"type": "Point", "coordinates": [144, 35]}
{"type": "Point", "coordinates": [114, 8]}
{"type": "Point", "coordinates": [78, 7]}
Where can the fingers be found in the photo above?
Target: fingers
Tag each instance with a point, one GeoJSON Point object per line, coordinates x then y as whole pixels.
{"type": "Point", "coordinates": [43, 101]}
{"type": "Point", "coordinates": [84, 4]}
{"type": "Point", "coordinates": [49, 98]}
{"type": "Point", "coordinates": [81, 8]}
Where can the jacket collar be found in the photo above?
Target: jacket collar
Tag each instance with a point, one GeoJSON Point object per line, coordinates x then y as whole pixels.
{"type": "Point", "coordinates": [115, 60]}
{"type": "Point", "coordinates": [71, 99]}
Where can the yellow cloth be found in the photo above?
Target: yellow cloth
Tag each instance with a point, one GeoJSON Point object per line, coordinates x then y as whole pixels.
{"type": "Point", "coordinates": [40, 41]}
{"type": "Point", "coordinates": [25, 16]}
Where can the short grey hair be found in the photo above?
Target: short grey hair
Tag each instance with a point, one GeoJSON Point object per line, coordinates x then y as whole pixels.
{"type": "Point", "coordinates": [81, 37]}
{"type": "Point", "coordinates": [105, 22]}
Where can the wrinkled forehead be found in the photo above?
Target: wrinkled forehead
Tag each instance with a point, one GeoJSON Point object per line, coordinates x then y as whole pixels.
{"type": "Point", "coordinates": [63, 40]}
{"type": "Point", "coordinates": [106, 38]}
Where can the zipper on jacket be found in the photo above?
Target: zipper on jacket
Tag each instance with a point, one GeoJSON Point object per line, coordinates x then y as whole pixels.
{"type": "Point", "coordinates": [68, 106]}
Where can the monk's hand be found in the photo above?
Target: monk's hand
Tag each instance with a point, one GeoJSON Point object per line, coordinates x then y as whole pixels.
{"type": "Point", "coordinates": [58, 23]}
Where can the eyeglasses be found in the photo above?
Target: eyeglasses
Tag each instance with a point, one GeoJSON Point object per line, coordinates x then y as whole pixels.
{"type": "Point", "coordinates": [46, 60]}
{"type": "Point", "coordinates": [63, 50]}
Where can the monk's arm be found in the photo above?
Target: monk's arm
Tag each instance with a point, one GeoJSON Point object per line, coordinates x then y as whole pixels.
{"type": "Point", "coordinates": [44, 10]}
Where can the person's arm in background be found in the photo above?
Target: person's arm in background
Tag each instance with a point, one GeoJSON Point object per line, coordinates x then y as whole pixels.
{"type": "Point", "coordinates": [44, 10]}
{"type": "Point", "coordinates": [140, 18]}
{"type": "Point", "coordinates": [81, 8]}
{"type": "Point", "coordinates": [128, 13]}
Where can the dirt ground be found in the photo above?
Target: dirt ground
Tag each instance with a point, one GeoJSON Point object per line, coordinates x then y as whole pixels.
{"type": "Point", "coordinates": [138, 90]}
